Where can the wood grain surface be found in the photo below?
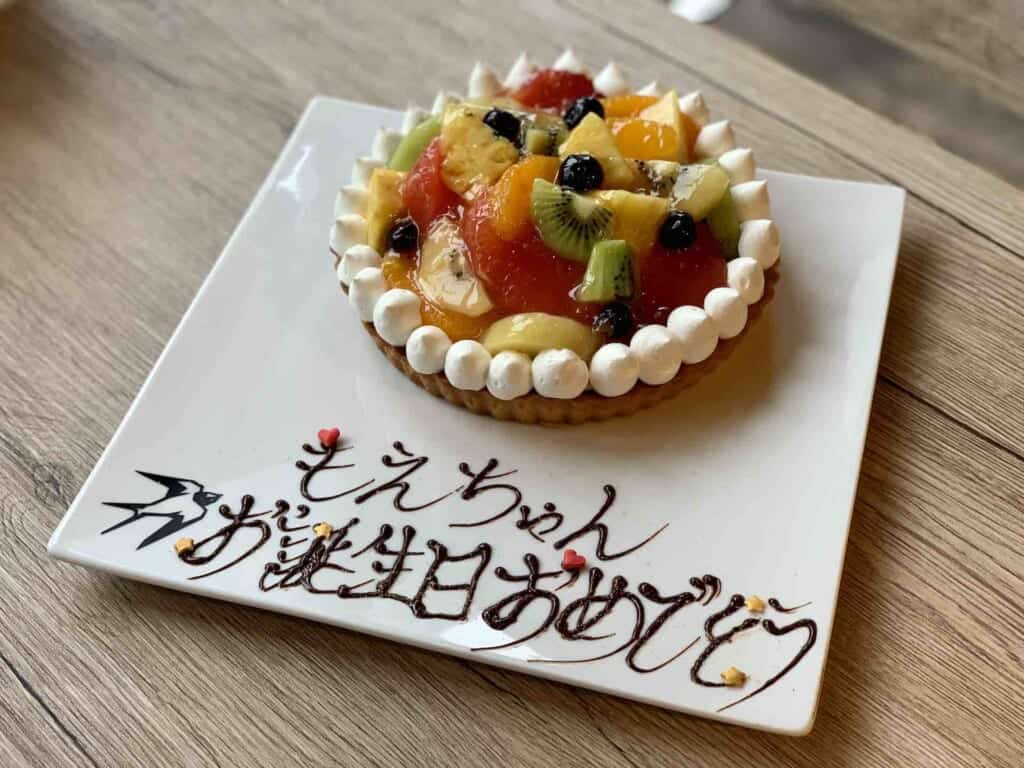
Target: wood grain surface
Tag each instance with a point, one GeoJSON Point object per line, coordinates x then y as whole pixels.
{"type": "Point", "coordinates": [981, 43]}
{"type": "Point", "coordinates": [949, 69]}
{"type": "Point", "coordinates": [132, 137]}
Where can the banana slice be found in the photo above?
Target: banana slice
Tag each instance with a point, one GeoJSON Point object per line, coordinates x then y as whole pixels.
{"type": "Point", "coordinates": [444, 273]}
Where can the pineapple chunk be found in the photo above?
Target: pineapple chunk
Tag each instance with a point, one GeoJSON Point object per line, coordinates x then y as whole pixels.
{"type": "Point", "coordinates": [666, 111]}
{"type": "Point", "coordinates": [462, 109]}
{"type": "Point", "coordinates": [473, 153]}
{"type": "Point", "coordinates": [636, 218]}
{"type": "Point", "coordinates": [383, 205]}
{"type": "Point", "coordinates": [503, 102]}
{"type": "Point", "coordinates": [593, 137]}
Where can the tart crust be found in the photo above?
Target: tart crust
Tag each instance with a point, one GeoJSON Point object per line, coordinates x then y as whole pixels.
{"type": "Point", "coordinates": [590, 406]}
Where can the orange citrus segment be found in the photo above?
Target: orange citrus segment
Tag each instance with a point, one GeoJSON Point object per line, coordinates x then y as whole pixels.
{"type": "Point", "coordinates": [645, 139]}
{"type": "Point", "coordinates": [401, 273]}
{"type": "Point", "coordinates": [511, 194]}
{"type": "Point", "coordinates": [691, 129]}
{"type": "Point", "coordinates": [627, 105]}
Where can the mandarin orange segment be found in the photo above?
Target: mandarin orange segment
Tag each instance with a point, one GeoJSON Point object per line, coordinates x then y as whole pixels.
{"type": "Point", "coordinates": [511, 194]}
{"type": "Point", "coordinates": [627, 105]}
{"type": "Point", "coordinates": [401, 273]}
{"type": "Point", "coordinates": [645, 139]}
{"type": "Point", "coordinates": [691, 129]}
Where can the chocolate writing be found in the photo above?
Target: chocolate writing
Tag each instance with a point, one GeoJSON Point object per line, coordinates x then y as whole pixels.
{"type": "Point", "coordinates": [386, 563]}
{"type": "Point", "coordinates": [483, 483]}
{"type": "Point", "coordinates": [594, 525]}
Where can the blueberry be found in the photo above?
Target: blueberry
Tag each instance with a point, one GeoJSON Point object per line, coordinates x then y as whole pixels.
{"type": "Point", "coordinates": [615, 321]}
{"type": "Point", "coordinates": [580, 173]}
{"type": "Point", "coordinates": [580, 109]}
{"type": "Point", "coordinates": [679, 230]}
{"type": "Point", "coordinates": [404, 236]}
{"type": "Point", "coordinates": [504, 124]}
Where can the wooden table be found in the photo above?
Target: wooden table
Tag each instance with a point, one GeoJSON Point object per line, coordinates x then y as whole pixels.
{"type": "Point", "coordinates": [133, 137]}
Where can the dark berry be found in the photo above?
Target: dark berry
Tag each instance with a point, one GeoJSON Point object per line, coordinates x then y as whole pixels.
{"type": "Point", "coordinates": [679, 230]}
{"type": "Point", "coordinates": [580, 173]}
{"type": "Point", "coordinates": [580, 109]}
{"type": "Point", "coordinates": [614, 321]}
{"type": "Point", "coordinates": [504, 124]}
{"type": "Point", "coordinates": [404, 236]}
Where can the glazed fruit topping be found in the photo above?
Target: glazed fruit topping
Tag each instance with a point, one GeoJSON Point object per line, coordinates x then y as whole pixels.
{"type": "Point", "coordinates": [670, 278]}
{"type": "Point", "coordinates": [615, 321]}
{"type": "Point", "coordinates": [636, 218]}
{"type": "Point", "coordinates": [627, 105]}
{"type": "Point", "coordinates": [444, 275]}
{"type": "Point", "coordinates": [593, 137]}
{"type": "Point", "coordinates": [580, 173]}
{"type": "Point", "coordinates": [473, 154]}
{"type": "Point", "coordinates": [521, 273]}
{"type": "Point", "coordinates": [504, 124]}
{"type": "Point", "coordinates": [533, 332]}
{"type": "Point", "coordinates": [679, 230]}
{"type": "Point", "coordinates": [581, 108]}
{"type": "Point", "coordinates": [569, 223]}
{"type": "Point", "coordinates": [511, 195]}
{"type": "Point", "coordinates": [609, 274]}
{"type": "Point", "coordinates": [424, 194]}
{"type": "Point", "coordinates": [412, 145]}
{"type": "Point", "coordinates": [699, 188]}
{"type": "Point", "coordinates": [553, 89]}
{"type": "Point", "coordinates": [404, 235]}
{"type": "Point", "coordinates": [549, 217]}
{"type": "Point", "coordinates": [645, 139]}
{"type": "Point", "coordinates": [402, 273]}
{"type": "Point", "coordinates": [383, 206]}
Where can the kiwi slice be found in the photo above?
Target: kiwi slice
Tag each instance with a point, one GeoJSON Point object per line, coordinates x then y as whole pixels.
{"type": "Point", "coordinates": [609, 273]}
{"type": "Point", "coordinates": [538, 141]}
{"type": "Point", "coordinates": [552, 124]}
{"type": "Point", "coordinates": [412, 145]}
{"type": "Point", "coordinates": [725, 225]}
{"type": "Point", "coordinates": [544, 139]}
{"type": "Point", "coordinates": [569, 223]}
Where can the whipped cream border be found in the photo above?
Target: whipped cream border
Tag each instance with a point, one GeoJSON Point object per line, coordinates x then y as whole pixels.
{"type": "Point", "coordinates": [653, 355]}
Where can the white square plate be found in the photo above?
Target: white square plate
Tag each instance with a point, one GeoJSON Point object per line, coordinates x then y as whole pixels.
{"type": "Point", "coordinates": [749, 476]}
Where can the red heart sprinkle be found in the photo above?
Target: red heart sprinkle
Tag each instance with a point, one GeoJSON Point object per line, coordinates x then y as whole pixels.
{"type": "Point", "coordinates": [573, 560]}
{"type": "Point", "coordinates": [329, 437]}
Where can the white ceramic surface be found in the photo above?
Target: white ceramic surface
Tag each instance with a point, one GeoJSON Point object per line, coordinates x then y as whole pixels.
{"type": "Point", "coordinates": [753, 471]}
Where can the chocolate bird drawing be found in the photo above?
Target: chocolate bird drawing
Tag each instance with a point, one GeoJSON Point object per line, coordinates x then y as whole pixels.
{"type": "Point", "coordinates": [184, 502]}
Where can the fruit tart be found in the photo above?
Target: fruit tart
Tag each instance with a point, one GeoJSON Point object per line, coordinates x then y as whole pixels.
{"type": "Point", "coordinates": [555, 247]}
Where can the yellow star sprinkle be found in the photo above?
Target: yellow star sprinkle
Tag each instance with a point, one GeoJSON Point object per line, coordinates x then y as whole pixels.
{"type": "Point", "coordinates": [323, 530]}
{"type": "Point", "coordinates": [184, 546]}
{"type": "Point", "coordinates": [755, 604]}
{"type": "Point", "coordinates": [733, 677]}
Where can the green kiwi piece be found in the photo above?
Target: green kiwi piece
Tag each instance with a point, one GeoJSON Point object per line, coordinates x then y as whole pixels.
{"type": "Point", "coordinates": [412, 145]}
{"type": "Point", "coordinates": [569, 223]}
{"type": "Point", "coordinates": [725, 226]}
{"type": "Point", "coordinates": [538, 141]}
{"type": "Point", "coordinates": [552, 124]}
{"type": "Point", "coordinates": [609, 273]}
{"type": "Point", "coordinates": [544, 138]}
